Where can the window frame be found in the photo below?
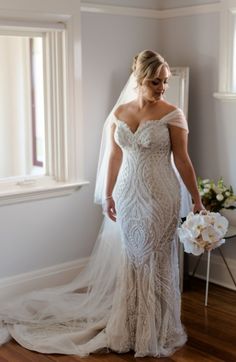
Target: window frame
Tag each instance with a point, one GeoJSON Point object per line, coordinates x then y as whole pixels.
{"type": "Point", "coordinates": [226, 89]}
{"type": "Point", "coordinates": [35, 161]}
{"type": "Point", "coordinates": [63, 129]}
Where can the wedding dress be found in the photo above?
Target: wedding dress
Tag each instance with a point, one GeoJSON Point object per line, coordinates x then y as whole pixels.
{"type": "Point", "coordinates": [145, 315]}
{"type": "Point", "coordinates": [128, 296]}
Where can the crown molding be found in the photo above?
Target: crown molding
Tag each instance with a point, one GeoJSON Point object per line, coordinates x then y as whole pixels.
{"type": "Point", "coordinates": [150, 13]}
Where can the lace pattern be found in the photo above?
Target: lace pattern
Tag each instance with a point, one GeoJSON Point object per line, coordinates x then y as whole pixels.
{"type": "Point", "coordinates": [145, 314]}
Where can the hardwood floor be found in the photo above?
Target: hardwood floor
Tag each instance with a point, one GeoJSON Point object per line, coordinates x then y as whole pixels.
{"type": "Point", "coordinates": [211, 333]}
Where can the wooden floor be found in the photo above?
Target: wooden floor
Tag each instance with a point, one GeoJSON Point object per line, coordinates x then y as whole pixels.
{"type": "Point", "coordinates": [211, 333]}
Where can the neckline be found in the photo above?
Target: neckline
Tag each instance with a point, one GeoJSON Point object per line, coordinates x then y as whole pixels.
{"type": "Point", "coordinates": [142, 123]}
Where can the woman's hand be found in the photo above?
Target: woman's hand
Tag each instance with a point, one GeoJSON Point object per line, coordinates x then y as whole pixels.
{"type": "Point", "coordinates": [198, 206]}
{"type": "Point", "coordinates": [110, 209]}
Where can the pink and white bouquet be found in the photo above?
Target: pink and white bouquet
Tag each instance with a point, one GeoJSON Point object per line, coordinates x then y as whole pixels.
{"type": "Point", "coordinates": [203, 231]}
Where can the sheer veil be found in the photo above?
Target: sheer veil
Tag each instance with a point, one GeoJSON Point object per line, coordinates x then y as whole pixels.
{"type": "Point", "coordinates": [128, 93]}
{"type": "Point", "coordinates": [71, 319]}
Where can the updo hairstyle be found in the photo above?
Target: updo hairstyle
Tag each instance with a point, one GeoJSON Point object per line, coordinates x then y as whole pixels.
{"type": "Point", "coordinates": [147, 64]}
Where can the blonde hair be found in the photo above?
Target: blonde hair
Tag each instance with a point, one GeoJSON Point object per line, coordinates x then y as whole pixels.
{"type": "Point", "coordinates": [147, 65]}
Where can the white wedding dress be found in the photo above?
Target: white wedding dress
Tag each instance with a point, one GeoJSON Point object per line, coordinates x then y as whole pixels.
{"type": "Point", "coordinates": [131, 302]}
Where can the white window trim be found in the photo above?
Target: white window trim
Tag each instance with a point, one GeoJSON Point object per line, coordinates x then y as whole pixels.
{"type": "Point", "coordinates": [30, 189]}
{"type": "Point", "coordinates": [227, 19]}
{"type": "Point", "coordinates": [64, 130]}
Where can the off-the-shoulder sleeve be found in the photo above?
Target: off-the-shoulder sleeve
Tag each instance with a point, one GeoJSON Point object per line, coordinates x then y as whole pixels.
{"type": "Point", "coordinates": [177, 118]}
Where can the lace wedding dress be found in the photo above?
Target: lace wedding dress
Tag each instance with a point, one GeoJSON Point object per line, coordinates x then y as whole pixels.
{"type": "Point", "coordinates": [135, 304]}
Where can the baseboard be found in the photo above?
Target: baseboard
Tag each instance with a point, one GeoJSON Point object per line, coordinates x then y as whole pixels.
{"type": "Point", "coordinates": [218, 271]}
{"type": "Point", "coordinates": [43, 278]}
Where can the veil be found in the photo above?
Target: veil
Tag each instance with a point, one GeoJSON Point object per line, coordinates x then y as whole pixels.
{"type": "Point", "coordinates": [71, 319]}
{"type": "Point", "coordinates": [128, 93]}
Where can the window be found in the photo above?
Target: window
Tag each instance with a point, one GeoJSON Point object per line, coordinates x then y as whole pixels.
{"type": "Point", "coordinates": [227, 54]}
{"type": "Point", "coordinates": [46, 143]}
{"type": "Point", "coordinates": [22, 106]}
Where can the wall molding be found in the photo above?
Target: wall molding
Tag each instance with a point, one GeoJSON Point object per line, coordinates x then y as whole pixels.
{"type": "Point", "coordinates": [33, 189]}
{"type": "Point", "coordinates": [150, 13]}
{"type": "Point", "coordinates": [218, 271]}
{"type": "Point", "coordinates": [42, 278]}
{"type": "Point", "coordinates": [228, 97]}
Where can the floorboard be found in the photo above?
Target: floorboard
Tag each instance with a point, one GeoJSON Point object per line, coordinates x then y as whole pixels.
{"type": "Point", "coordinates": [211, 333]}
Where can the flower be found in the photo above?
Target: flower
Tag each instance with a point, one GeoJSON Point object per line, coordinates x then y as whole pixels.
{"type": "Point", "coordinates": [203, 231]}
{"type": "Point", "coordinates": [216, 196]}
{"type": "Point", "coordinates": [219, 197]}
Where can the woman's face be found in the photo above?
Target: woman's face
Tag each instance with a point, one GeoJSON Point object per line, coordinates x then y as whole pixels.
{"type": "Point", "coordinates": [152, 90]}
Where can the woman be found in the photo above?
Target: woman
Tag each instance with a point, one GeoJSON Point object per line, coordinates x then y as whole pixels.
{"type": "Point", "coordinates": [142, 194]}
{"type": "Point", "coordinates": [127, 298]}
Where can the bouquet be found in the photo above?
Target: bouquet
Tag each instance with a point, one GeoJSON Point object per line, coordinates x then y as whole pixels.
{"type": "Point", "coordinates": [216, 196]}
{"type": "Point", "coordinates": [203, 231]}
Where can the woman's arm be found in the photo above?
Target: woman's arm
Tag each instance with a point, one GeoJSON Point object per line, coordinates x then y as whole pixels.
{"type": "Point", "coordinates": [179, 142]}
{"type": "Point", "coordinates": [114, 164]}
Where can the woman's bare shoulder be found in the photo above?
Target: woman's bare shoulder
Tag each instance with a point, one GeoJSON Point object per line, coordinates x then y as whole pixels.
{"type": "Point", "coordinates": [168, 107]}
{"type": "Point", "coordinates": [123, 108]}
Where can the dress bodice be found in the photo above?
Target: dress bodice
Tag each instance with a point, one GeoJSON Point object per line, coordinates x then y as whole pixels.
{"type": "Point", "coordinates": [151, 135]}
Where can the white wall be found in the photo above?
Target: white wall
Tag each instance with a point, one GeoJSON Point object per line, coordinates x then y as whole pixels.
{"type": "Point", "coordinates": [109, 43]}
{"type": "Point", "coordinates": [189, 40]}
{"type": "Point", "coordinates": [194, 41]}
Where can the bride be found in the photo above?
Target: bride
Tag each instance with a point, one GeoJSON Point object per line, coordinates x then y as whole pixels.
{"type": "Point", "coordinates": [127, 298]}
